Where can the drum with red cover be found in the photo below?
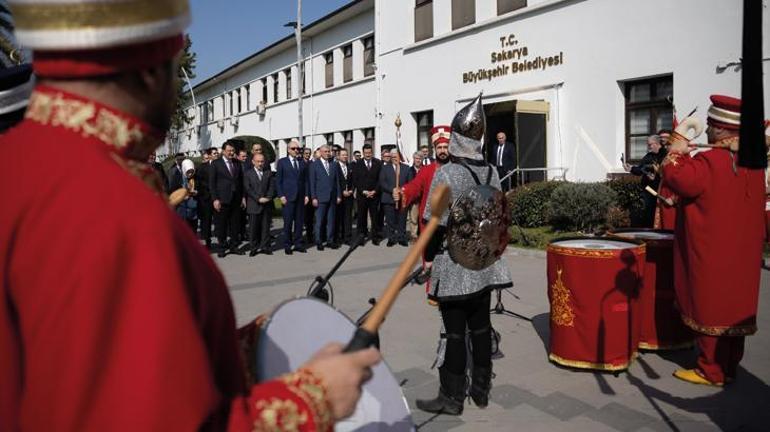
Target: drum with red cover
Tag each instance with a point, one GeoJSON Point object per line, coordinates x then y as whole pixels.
{"type": "Point", "coordinates": [593, 288]}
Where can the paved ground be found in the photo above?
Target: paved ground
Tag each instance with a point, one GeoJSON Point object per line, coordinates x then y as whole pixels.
{"type": "Point", "coordinates": [529, 392]}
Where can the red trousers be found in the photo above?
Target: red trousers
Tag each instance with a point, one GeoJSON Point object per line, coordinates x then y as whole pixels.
{"type": "Point", "coordinates": [719, 356]}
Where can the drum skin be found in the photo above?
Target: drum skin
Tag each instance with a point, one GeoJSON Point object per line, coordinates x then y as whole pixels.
{"type": "Point", "coordinates": [661, 323]}
{"type": "Point", "coordinates": [594, 293]}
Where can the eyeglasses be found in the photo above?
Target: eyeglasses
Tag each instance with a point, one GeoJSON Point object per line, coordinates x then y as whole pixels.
{"type": "Point", "coordinates": [293, 148]}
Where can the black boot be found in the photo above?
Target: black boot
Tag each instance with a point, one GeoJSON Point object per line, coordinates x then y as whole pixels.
{"type": "Point", "coordinates": [481, 383]}
{"type": "Point", "coordinates": [450, 397]}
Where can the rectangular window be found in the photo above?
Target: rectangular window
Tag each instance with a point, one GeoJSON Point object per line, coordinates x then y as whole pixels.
{"type": "Point", "coordinates": [264, 90]}
{"type": "Point", "coordinates": [210, 111]}
{"type": "Point", "coordinates": [230, 98]}
{"type": "Point", "coordinates": [505, 6]}
{"type": "Point", "coordinates": [424, 121]}
{"type": "Point", "coordinates": [463, 13]}
{"type": "Point", "coordinates": [648, 110]}
{"type": "Point", "coordinates": [203, 113]}
{"type": "Point", "coordinates": [329, 58]}
{"type": "Point", "coordinates": [347, 141]}
{"type": "Point", "coordinates": [329, 138]}
{"type": "Point", "coordinates": [287, 72]}
{"type": "Point", "coordinates": [302, 80]}
{"type": "Point", "coordinates": [369, 56]}
{"type": "Point", "coordinates": [275, 87]}
{"type": "Point", "coordinates": [238, 105]}
{"type": "Point", "coordinates": [224, 106]}
{"type": "Point", "coordinates": [246, 89]}
{"type": "Point", "coordinates": [368, 136]}
{"type": "Point", "coordinates": [347, 63]}
{"type": "Point", "coordinates": [423, 20]}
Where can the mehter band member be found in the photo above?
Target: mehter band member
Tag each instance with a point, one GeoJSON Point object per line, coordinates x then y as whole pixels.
{"type": "Point", "coordinates": [716, 261]}
{"type": "Point", "coordinates": [122, 321]}
{"type": "Point", "coordinates": [463, 293]}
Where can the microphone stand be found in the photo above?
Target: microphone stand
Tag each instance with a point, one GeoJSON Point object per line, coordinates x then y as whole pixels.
{"type": "Point", "coordinates": [318, 289]}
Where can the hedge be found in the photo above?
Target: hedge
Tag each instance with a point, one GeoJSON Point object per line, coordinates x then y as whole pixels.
{"type": "Point", "coordinates": [529, 203]}
{"type": "Point", "coordinates": [580, 206]}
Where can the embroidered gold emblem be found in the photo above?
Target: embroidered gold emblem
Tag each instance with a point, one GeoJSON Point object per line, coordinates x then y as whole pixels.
{"type": "Point", "coordinates": [311, 390]}
{"type": "Point", "coordinates": [561, 303]}
{"type": "Point", "coordinates": [278, 415]}
{"type": "Point", "coordinates": [672, 158]}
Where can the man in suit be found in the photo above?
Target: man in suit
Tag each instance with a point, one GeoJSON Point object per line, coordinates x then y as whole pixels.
{"type": "Point", "coordinates": [227, 192]}
{"type": "Point", "coordinates": [392, 177]}
{"type": "Point", "coordinates": [307, 156]}
{"type": "Point", "coordinates": [291, 187]}
{"type": "Point", "coordinates": [175, 180]}
{"type": "Point", "coordinates": [503, 156]}
{"type": "Point", "coordinates": [205, 202]}
{"type": "Point", "coordinates": [425, 155]}
{"type": "Point", "coordinates": [259, 186]}
{"type": "Point", "coordinates": [366, 176]}
{"type": "Point", "coordinates": [158, 167]}
{"type": "Point", "coordinates": [325, 193]}
{"type": "Point", "coordinates": [344, 215]}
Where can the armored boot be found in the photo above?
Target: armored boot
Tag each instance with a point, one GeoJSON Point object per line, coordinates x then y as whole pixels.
{"type": "Point", "coordinates": [481, 383]}
{"type": "Point", "coordinates": [450, 397]}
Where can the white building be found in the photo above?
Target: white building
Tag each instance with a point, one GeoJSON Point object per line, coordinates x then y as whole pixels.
{"type": "Point", "coordinates": [576, 83]}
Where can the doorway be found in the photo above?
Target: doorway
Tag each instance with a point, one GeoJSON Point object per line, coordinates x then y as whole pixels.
{"type": "Point", "coordinates": [524, 123]}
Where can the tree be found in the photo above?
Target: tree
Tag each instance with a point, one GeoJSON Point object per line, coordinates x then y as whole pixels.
{"type": "Point", "coordinates": [186, 64]}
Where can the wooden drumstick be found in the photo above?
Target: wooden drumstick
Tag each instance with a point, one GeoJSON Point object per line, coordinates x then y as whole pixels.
{"type": "Point", "coordinates": [652, 191]}
{"type": "Point", "coordinates": [366, 333]}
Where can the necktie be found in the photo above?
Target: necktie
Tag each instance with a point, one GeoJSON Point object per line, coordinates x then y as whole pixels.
{"type": "Point", "coordinates": [294, 164]}
{"type": "Point", "coordinates": [500, 155]}
{"type": "Point", "coordinates": [344, 171]}
{"type": "Point", "coordinates": [259, 174]}
{"type": "Point", "coordinates": [368, 166]}
{"type": "Point", "coordinates": [230, 166]}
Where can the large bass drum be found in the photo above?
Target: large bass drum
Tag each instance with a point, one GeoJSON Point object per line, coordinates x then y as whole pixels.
{"type": "Point", "coordinates": [296, 330]}
{"type": "Point", "coordinates": [661, 323]}
{"type": "Point", "coordinates": [593, 288]}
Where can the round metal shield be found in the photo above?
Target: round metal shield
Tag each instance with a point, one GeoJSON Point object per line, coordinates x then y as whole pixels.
{"type": "Point", "coordinates": [297, 329]}
{"type": "Point", "coordinates": [477, 229]}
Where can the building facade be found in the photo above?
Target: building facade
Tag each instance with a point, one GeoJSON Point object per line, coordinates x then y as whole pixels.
{"type": "Point", "coordinates": [578, 85]}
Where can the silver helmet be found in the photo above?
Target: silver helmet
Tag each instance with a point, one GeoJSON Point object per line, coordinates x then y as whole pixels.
{"type": "Point", "coordinates": [468, 128]}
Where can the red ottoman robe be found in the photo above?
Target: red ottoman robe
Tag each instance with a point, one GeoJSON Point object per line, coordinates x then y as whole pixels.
{"type": "Point", "coordinates": [718, 241]}
{"type": "Point", "coordinates": [113, 315]}
{"type": "Point", "coordinates": [419, 187]}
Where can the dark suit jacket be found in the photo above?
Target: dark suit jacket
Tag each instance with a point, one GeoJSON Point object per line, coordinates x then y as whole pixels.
{"type": "Point", "coordinates": [226, 188]}
{"type": "Point", "coordinates": [346, 183]}
{"type": "Point", "coordinates": [324, 187]}
{"type": "Point", "coordinates": [509, 156]}
{"type": "Point", "coordinates": [203, 181]}
{"type": "Point", "coordinates": [158, 167]}
{"type": "Point", "coordinates": [256, 189]}
{"type": "Point", "coordinates": [175, 180]}
{"type": "Point", "coordinates": [291, 183]}
{"type": "Point", "coordinates": [388, 180]}
{"type": "Point", "coordinates": [367, 179]}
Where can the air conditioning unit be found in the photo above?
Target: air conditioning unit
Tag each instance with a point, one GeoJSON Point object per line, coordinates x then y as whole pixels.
{"type": "Point", "coordinates": [221, 124]}
{"type": "Point", "coordinates": [234, 121]}
{"type": "Point", "coordinates": [261, 108]}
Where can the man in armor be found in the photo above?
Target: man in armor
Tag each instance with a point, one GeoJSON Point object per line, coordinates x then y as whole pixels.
{"type": "Point", "coordinates": [462, 287]}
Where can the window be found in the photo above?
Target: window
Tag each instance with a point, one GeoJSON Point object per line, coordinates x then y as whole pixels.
{"type": "Point", "coordinates": [347, 63]}
{"type": "Point", "coordinates": [329, 58]}
{"type": "Point", "coordinates": [329, 138]}
{"type": "Point", "coordinates": [264, 90]}
{"type": "Point", "coordinates": [423, 20]}
{"type": "Point", "coordinates": [209, 111]}
{"type": "Point", "coordinates": [238, 105]}
{"type": "Point", "coordinates": [347, 140]}
{"type": "Point", "coordinates": [463, 13]}
{"type": "Point", "coordinates": [203, 113]}
{"type": "Point", "coordinates": [248, 101]}
{"type": "Point", "coordinates": [287, 72]}
{"type": "Point", "coordinates": [505, 6]}
{"type": "Point", "coordinates": [424, 125]}
{"type": "Point", "coordinates": [368, 136]}
{"type": "Point", "coordinates": [230, 98]}
{"type": "Point", "coordinates": [648, 110]}
{"type": "Point", "coordinates": [275, 87]}
{"type": "Point", "coordinates": [302, 80]}
{"type": "Point", "coordinates": [369, 56]}
{"type": "Point", "coordinates": [224, 106]}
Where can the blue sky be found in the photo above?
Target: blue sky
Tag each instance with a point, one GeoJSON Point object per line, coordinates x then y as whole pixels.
{"type": "Point", "coordinates": [226, 31]}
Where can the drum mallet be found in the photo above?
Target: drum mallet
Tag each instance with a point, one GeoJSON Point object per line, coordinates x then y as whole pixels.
{"type": "Point", "coordinates": [365, 335]}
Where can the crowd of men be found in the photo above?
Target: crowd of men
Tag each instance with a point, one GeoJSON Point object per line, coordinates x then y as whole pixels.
{"type": "Point", "coordinates": [322, 195]}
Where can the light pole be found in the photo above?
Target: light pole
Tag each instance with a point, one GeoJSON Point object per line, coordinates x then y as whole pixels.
{"type": "Point", "coordinates": [300, 81]}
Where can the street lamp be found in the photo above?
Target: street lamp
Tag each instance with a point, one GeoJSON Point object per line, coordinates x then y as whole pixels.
{"type": "Point", "coordinates": [297, 25]}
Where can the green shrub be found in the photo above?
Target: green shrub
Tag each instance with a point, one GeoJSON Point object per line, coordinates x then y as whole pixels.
{"type": "Point", "coordinates": [528, 203]}
{"type": "Point", "coordinates": [617, 217]}
{"type": "Point", "coordinates": [580, 206]}
{"type": "Point", "coordinates": [537, 238]}
{"type": "Point", "coordinates": [630, 192]}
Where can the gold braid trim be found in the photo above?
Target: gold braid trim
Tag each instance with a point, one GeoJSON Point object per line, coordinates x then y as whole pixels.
{"type": "Point", "coordinates": [311, 389]}
{"type": "Point", "coordinates": [589, 365]}
{"type": "Point", "coordinates": [666, 347]}
{"type": "Point", "coordinates": [593, 253]}
{"type": "Point", "coordinates": [720, 330]}
{"type": "Point", "coordinates": [278, 415]}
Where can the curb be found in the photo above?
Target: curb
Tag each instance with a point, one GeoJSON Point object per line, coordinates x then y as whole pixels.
{"type": "Point", "coordinates": [515, 251]}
